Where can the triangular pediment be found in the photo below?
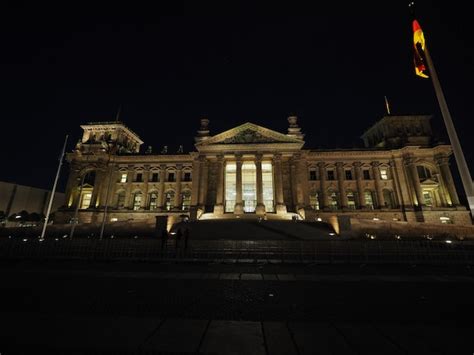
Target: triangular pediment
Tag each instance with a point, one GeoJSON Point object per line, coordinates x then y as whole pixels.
{"type": "Point", "coordinates": [429, 182]}
{"type": "Point", "coordinates": [249, 133]}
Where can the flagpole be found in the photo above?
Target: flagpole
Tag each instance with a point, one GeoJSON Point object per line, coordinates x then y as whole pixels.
{"type": "Point", "coordinates": [54, 190]}
{"type": "Point", "coordinates": [453, 137]}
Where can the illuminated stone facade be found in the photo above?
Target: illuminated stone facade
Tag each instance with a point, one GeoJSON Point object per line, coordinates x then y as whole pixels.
{"type": "Point", "coordinates": [250, 170]}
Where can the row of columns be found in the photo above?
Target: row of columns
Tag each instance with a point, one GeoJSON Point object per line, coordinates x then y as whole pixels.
{"type": "Point", "coordinates": [199, 193]}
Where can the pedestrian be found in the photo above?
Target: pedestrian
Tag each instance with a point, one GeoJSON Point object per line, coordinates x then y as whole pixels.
{"type": "Point", "coordinates": [164, 239]}
{"type": "Point", "coordinates": [186, 238]}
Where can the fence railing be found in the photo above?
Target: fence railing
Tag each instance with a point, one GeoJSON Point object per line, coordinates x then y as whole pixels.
{"type": "Point", "coordinates": [326, 252]}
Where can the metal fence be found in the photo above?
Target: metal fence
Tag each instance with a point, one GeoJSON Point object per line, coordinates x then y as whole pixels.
{"type": "Point", "coordinates": [324, 252]}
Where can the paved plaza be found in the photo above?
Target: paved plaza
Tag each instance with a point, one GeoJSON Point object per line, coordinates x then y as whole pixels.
{"type": "Point", "coordinates": [228, 308]}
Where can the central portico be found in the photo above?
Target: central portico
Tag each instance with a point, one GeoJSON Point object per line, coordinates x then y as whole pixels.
{"type": "Point", "coordinates": [240, 170]}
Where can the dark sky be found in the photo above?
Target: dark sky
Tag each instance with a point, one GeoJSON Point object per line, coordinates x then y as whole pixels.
{"type": "Point", "coordinates": [63, 67]}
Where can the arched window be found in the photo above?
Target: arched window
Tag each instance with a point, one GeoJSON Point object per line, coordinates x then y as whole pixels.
{"type": "Point", "coordinates": [137, 200]}
{"type": "Point", "coordinates": [351, 200]}
{"type": "Point", "coordinates": [388, 197]}
{"type": "Point", "coordinates": [314, 200]}
{"type": "Point", "coordinates": [169, 202]}
{"type": "Point", "coordinates": [333, 200]}
{"type": "Point", "coordinates": [369, 199]}
{"type": "Point", "coordinates": [423, 172]}
{"type": "Point", "coordinates": [153, 200]}
{"type": "Point", "coordinates": [186, 198]}
{"type": "Point", "coordinates": [120, 199]}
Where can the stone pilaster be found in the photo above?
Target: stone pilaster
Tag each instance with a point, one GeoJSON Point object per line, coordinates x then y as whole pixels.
{"type": "Point", "coordinates": [324, 201]}
{"type": "Point", "coordinates": [340, 181]}
{"type": "Point", "coordinates": [146, 178]}
{"type": "Point", "coordinates": [71, 187]}
{"type": "Point", "coordinates": [177, 196]}
{"type": "Point", "coordinates": [360, 183]}
{"type": "Point", "coordinates": [195, 188]}
{"type": "Point", "coordinates": [219, 206]}
{"type": "Point", "coordinates": [128, 192]}
{"type": "Point", "coordinates": [280, 203]}
{"type": "Point", "coordinates": [161, 188]}
{"type": "Point", "coordinates": [415, 180]}
{"type": "Point", "coordinates": [399, 174]}
{"type": "Point", "coordinates": [203, 182]}
{"type": "Point", "coordinates": [239, 203]}
{"type": "Point", "coordinates": [378, 184]}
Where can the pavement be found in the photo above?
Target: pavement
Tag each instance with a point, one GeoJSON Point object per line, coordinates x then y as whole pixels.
{"type": "Point", "coordinates": [78, 307]}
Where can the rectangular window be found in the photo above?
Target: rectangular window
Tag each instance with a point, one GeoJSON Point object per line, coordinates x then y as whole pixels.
{"type": "Point", "coordinates": [230, 186]}
{"type": "Point", "coordinates": [383, 173]}
{"type": "Point", "coordinates": [86, 200]}
{"type": "Point", "coordinates": [366, 174]}
{"type": "Point", "coordinates": [331, 175]}
{"type": "Point", "coordinates": [312, 175]}
{"type": "Point", "coordinates": [187, 176]}
{"type": "Point", "coordinates": [348, 174]}
{"type": "Point", "coordinates": [249, 186]}
{"type": "Point", "coordinates": [267, 186]}
{"type": "Point", "coordinates": [171, 177]}
{"type": "Point", "coordinates": [139, 177]}
{"type": "Point", "coordinates": [155, 177]}
{"type": "Point", "coordinates": [428, 198]}
{"type": "Point", "coordinates": [123, 177]}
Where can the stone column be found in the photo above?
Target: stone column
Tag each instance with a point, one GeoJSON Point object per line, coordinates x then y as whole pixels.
{"type": "Point", "coordinates": [340, 181]}
{"type": "Point", "coordinates": [443, 166]}
{"type": "Point", "coordinates": [177, 195]}
{"type": "Point", "coordinates": [378, 184]}
{"type": "Point", "coordinates": [323, 186]}
{"type": "Point", "coordinates": [219, 206]}
{"type": "Point", "coordinates": [239, 203]}
{"type": "Point", "coordinates": [415, 180]}
{"type": "Point", "coordinates": [277, 173]}
{"type": "Point", "coordinates": [146, 178]}
{"type": "Point", "coordinates": [260, 209]}
{"type": "Point", "coordinates": [399, 171]}
{"type": "Point", "coordinates": [398, 198]}
{"type": "Point", "coordinates": [203, 180]}
{"type": "Point", "coordinates": [360, 184]}
{"type": "Point", "coordinates": [161, 189]}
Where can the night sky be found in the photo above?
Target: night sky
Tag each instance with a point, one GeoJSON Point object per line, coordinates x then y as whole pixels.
{"type": "Point", "coordinates": [64, 67]}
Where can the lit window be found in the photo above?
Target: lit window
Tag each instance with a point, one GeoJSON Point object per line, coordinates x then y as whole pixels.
{"type": "Point", "coordinates": [230, 186]}
{"type": "Point", "coordinates": [121, 199]}
{"type": "Point", "coordinates": [86, 200]}
{"type": "Point", "coordinates": [123, 177]}
{"type": "Point", "coordinates": [186, 198]}
{"type": "Point", "coordinates": [114, 219]}
{"type": "Point", "coordinates": [267, 186]}
{"type": "Point", "coordinates": [351, 200]}
{"type": "Point", "coordinates": [428, 198]}
{"type": "Point", "coordinates": [384, 174]}
{"type": "Point", "coordinates": [169, 203]}
{"type": "Point", "coordinates": [314, 201]}
{"type": "Point", "coordinates": [153, 201]}
{"type": "Point", "coordinates": [369, 201]}
{"type": "Point", "coordinates": [333, 201]}
{"type": "Point", "coordinates": [137, 201]}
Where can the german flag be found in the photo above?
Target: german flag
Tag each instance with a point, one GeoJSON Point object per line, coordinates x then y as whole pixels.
{"type": "Point", "coordinates": [419, 44]}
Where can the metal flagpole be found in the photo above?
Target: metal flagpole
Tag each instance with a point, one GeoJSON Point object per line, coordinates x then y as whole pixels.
{"type": "Point", "coordinates": [453, 137]}
{"type": "Point", "coordinates": [54, 190]}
